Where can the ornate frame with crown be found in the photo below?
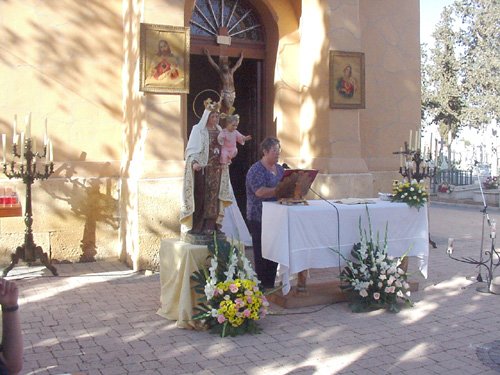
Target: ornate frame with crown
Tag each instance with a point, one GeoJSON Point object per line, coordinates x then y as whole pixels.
{"type": "Point", "coordinates": [167, 74]}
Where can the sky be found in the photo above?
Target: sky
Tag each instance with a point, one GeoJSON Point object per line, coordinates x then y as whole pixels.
{"type": "Point", "coordinates": [430, 12]}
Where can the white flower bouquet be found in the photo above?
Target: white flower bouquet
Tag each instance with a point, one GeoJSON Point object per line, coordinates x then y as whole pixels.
{"type": "Point", "coordinates": [412, 193]}
{"type": "Point", "coordinates": [372, 278]}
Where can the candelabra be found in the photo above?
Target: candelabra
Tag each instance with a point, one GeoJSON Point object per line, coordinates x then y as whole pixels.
{"type": "Point", "coordinates": [491, 260]}
{"type": "Point", "coordinates": [29, 251]}
{"type": "Point", "coordinates": [487, 259]}
{"type": "Point", "coordinates": [415, 166]}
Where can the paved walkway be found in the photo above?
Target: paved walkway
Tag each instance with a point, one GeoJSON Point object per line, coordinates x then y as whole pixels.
{"type": "Point", "coordinates": [100, 318]}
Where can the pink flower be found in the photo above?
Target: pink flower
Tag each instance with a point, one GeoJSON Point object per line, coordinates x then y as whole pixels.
{"type": "Point", "coordinates": [221, 319]}
{"type": "Point", "coordinates": [249, 299]}
{"type": "Point", "coordinates": [376, 296]}
{"type": "Point", "coordinates": [246, 313]}
{"type": "Point", "coordinates": [233, 288]}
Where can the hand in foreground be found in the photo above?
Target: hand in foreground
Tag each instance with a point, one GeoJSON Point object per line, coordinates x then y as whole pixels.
{"type": "Point", "coordinates": [8, 293]}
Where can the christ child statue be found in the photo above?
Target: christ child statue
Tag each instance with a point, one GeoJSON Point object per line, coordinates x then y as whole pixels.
{"type": "Point", "coordinates": [228, 138]}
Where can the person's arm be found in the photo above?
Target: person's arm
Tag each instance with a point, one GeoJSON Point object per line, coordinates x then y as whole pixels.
{"type": "Point", "coordinates": [238, 63]}
{"type": "Point", "coordinates": [12, 340]}
{"type": "Point", "coordinates": [266, 192]}
{"type": "Point", "coordinates": [211, 61]}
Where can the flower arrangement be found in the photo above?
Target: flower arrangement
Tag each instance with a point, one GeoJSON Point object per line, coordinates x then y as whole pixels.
{"type": "Point", "coordinates": [232, 301]}
{"type": "Point", "coordinates": [491, 182]}
{"type": "Point", "coordinates": [445, 187]}
{"type": "Point", "coordinates": [412, 193]}
{"type": "Point", "coordinates": [373, 278]}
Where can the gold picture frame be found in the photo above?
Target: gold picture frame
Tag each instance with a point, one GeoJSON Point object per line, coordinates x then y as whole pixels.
{"type": "Point", "coordinates": [347, 80]}
{"type": "Point", "coordinates": [164, 59]}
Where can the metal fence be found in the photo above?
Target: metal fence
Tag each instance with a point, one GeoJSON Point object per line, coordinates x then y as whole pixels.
{"type": "Point", "coordinates": [454, 177]}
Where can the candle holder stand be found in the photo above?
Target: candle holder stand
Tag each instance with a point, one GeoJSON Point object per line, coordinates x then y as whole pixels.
{"type": "Point", "coordinates": [29, 251]}
{"type": "Point", "coordinates": [489, 259]}
{"type": "Point", "coordinates": [416, 167]}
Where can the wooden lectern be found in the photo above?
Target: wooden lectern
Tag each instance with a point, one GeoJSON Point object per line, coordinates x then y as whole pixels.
{"type": "Point", "coordinates": [294, 185]}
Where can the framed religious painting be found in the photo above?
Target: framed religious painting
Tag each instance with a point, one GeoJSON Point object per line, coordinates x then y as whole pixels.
{"type": "Point", "coordinates": [347, 80]}
{"type": "Point", "coordinates": [164, 59]}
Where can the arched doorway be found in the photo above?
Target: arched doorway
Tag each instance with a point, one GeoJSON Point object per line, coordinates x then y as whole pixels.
{"type": "Point", "coordinates": [228, 28]}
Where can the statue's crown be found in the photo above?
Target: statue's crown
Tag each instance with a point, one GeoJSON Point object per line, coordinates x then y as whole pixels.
{"type": "Point", "coordinates": [212, 106]}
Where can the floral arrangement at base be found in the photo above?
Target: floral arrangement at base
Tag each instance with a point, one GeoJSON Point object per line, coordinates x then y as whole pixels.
{"type": "Point", "coordinates": [232, 301]}
{"type": "Point", "coordinates": [445, 187]}
{"type": "Point", "coordinates": [491, 182]}
{"type": "Point", "coordinates": [412, 193]}
{"type": "Point", "coordinates": [374, 279]}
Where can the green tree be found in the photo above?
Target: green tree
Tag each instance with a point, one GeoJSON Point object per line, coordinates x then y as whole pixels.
{"type": "Point", "coordinates": [479, 41]}
{"type": "Point", "coordinates": [442, 91]}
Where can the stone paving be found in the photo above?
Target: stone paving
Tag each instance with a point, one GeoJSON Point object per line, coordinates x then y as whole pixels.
{"type": "Point", "coordinates": [100, 318]}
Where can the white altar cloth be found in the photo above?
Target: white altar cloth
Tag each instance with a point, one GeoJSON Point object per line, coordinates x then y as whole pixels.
{"type": "Point", "coordinates": [301, 237]}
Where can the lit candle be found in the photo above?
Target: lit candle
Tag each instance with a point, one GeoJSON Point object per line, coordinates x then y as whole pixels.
{"type": "Point", "coordinates": [46, 135]}
{"type": "Point", "coordinates": [4, 143]}
{"type": "Point", "coordinates": [14, 130]}
{"type": "Point", "coordinates": [401, 157]}
{"type": "Point", "coordinates": [409, 142]}
{"type": "Point", "coordinates": [28, 126]}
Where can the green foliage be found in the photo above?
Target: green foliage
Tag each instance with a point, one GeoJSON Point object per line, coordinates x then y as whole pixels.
{"type": "Point", "coordinates": [479, 39]}
{"type": "Point", "coordinates": [460, 75]}
{"type": "Point", "coordinates": [442, 93]}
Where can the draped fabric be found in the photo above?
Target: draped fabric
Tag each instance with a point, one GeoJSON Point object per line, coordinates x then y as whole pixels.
{"type": "Point", "coordinates": [206, 153]}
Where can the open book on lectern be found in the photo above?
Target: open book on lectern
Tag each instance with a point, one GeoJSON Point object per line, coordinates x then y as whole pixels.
{"type": "Point", "coordinates": [294, 185]}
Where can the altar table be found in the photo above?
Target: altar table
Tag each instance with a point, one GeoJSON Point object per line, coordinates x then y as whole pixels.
{"type": "Point", "coordinates": [301, 237]}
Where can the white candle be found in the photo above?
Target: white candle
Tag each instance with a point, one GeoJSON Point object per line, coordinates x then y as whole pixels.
{"type": "Point", "coordinates": [28, 126]}
{"type": "Point", "coordinates": [46, 135]}
{"type": "Point", "coordinates": [401, 157]}
{"type": "Point", "coordinates": [409, 141]}
{"type": "Point", "coordinates": [417, 140]}
{"type": "Point", "coordinates": [14, 130]}
{"type": "Point", "coordinates": [4, 143]}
